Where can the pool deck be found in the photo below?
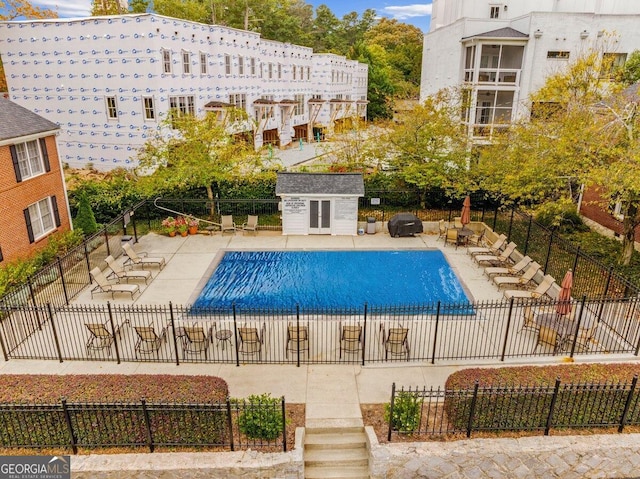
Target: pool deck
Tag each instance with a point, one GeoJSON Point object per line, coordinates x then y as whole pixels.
{"type": "Point", "coordinates": [316, 385]}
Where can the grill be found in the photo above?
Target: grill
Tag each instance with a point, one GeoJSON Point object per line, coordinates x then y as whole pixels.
{"type": "Point", "coordinates": [404, 224]}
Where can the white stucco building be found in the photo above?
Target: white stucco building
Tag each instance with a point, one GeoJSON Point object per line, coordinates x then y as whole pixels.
{"type": "Point", "coordinates": [503, 50]}
{"type": "Point", "coordinates": [109, 81]}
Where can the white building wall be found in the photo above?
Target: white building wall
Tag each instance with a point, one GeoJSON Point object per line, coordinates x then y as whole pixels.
{"type": "Point", "coordinates": [446, 12]}
{"type": "Point", "coordinates": [443, 55]}
{"type": "Point", "coordinates": [65, 69]}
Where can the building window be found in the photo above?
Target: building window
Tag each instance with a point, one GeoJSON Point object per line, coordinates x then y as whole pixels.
{"type": "Point", "coordinates": [308, 73]}
{"type": "Point", "coordinates": [41, 218]}
{"type": "Point", "coordinates": [239, 101]}
{"type": "Point", "coordinates": [253, 66]}
{"type": "Point", "coordinates": [149, 108]}
{"type": "Point", "coordinates": [270, 71]}
{"type": "Point", "coordinates": [227, 64]}
{"type": "Point", "coordinates": [559, 54]}
{"type": "Point", "coordinates": [1, 256]}
{"type": "Point", "coordinates": [166, 61]}
{"type": "Point", "coordinates": [112, 108]}
{"type": "Point", "coordinates": [29, 159]}
{"type": "Point", "coordinates": [279, 71]}
{"type": "Point", "coordinates": [240, 65]}
{"type": "Point", "coordinates": [186, 62]}
{"type": "Point", "coordinates": [203, 63]}
{"type": "Point", "coordinates": [494, 11]}
{"type": "Point", "coordinates": [182, 105]}
{"type": "Point", "coordinates": [293, 68]}
{"type": "Point", "coordinates": [612, 63]}
{"type": "Point", "coordinates": [299, 109]}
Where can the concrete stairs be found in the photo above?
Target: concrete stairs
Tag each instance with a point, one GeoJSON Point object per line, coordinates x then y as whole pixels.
{"type": "Point", "coordinates": [336, 453]}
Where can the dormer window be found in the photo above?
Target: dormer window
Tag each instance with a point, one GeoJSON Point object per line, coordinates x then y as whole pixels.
{"type": "Point", "coordinates": [494, 11]}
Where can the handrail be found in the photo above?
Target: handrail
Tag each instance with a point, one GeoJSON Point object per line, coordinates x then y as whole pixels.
{"type": "Point", "coordinates": [183, 214]}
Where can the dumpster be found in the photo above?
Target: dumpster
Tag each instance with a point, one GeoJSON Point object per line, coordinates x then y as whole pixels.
{"type": "Point", "coordinates": [371, 225]}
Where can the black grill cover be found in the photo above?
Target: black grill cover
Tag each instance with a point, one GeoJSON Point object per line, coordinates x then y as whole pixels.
{"type": "Point", "coordinates": [404, 224]}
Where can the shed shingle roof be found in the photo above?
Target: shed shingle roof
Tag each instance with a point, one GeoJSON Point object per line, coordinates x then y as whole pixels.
{"type": "Point", "coordinates": [351, 184]}
{"type": "Point", "coordinates": [17, 121]}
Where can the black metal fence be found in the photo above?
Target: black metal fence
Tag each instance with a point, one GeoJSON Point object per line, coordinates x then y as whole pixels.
{"type": "Point", "coordinates": [144, 424]}
{"type": "Point", "coordinates": [497, 330]}
{"type": "Point", "coordinates": [434, 413]}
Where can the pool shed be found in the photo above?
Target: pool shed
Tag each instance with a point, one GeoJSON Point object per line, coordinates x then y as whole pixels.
{"type": "Point", "coordinates": [320, 203]}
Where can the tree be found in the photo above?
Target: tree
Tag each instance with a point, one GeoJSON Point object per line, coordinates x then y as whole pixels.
{"type": "Point", "coordinates": [198, 154]}
{"type": "Point", "coordinates": [138, 6]}
{"type": "Point", "coordinates": [403, 46]}
{"type": "Point", "coordinates": [429, 148]}
{"type": "Point", "coordinates": [85, 219]}
{"type": "Point", "coordinates": [14, 9]}
{"type": "Point", "coordinates": [191, 10]}
{"type": "Point", "coordinates": [380, 87]}
{"type": "Point", "coordinates": [106, 7]}
{"type": "Point", "coordinates": [630, 72]}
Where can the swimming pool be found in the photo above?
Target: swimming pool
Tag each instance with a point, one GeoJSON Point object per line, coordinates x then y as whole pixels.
{"type": "Point", "coordinates": [330, 279]}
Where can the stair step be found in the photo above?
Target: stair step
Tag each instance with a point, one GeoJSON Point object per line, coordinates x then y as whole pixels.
{"type": "Point", "coordinates": [332, 429]}
{"type": "Point", "coordinates": [338, 472]}
{"type": "Point", "coordinates": [336, 457]}
{"type": "Point", "coordinates": [327, 440]}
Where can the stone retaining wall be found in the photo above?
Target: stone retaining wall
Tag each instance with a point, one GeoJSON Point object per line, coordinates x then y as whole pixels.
{"type": "Point", "coordinates": [602, 456]}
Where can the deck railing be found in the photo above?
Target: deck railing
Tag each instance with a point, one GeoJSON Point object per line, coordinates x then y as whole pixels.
{"type": "Point", "coordinates": [436, 332]}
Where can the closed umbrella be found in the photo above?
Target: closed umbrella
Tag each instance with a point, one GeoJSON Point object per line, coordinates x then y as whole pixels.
{"type": "Point", "coordinates": [465, 215]}
{"type": "Point", "coordinates": [564, 297]}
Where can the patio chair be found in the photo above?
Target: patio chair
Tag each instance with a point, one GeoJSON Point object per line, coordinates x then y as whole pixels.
{"type": "Point", "coordinates": [476, 239]}
{"type": "Point", "coordinates": [396, 343]}
{"type": "Point", "coordinates": [548, 337]}
{"type": "Point", "coordinates": [457, 223]}
{"type": "Point", "coordinates": [121, 274]}
{"type": "Point", "coordinates": [494, 259]}
{"type": "Point", "coordinates": [297, 339]}
{"type": "Point", "coordinates": [518, 281]}
{"type": "Point", "coordinates": [542, 289]}
{"type": "Point", "coordinates": [451, 237]}
{"type": "Point", "coordinates": [442, 229]}
{"type": "Point", "coordinates": [350, 339]}
{"type": "Point", "coordinates": [514, 270]}
{"type": "Point", "coordinates": [250, 341]}
{"type": "Point", "coordinates": [529, 320]}
{"type": "Point", "coordinates": [585, 337]}
{"type": "Point", "coordinates": [195, 340]}
{"type": "Point", "coordinates": [494, 248]}
{"type": "Point", "coordinates": [100, 337]}
{"type": "Point", "coordinates": [103, 285]}
{"type": "Point", "coordinates": [141, 258]}
{"type": "Point", "coordinates": [148, 341]}
{"type": "Point", "coordinates": [227, 224]}
{"type": "Point", "coordinates": [251, 224]}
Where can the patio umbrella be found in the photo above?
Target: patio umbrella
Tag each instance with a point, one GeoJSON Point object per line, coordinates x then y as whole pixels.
{"type": "Point", "coordinates": [564, 297]}
{"type": "Point", "coordinates": [465, 215]}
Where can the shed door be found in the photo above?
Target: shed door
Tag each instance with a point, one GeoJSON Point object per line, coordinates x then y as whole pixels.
{"type": "Point", "coordinates": [320, 217]}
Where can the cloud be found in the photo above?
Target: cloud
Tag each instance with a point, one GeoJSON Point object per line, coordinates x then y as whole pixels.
{"type": "Point", "coordinates": [68, 8]}
{"type": "Point", "coordinates": [408, 11]}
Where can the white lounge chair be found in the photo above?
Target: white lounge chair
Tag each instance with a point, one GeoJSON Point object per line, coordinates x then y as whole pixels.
{"type": "Point", "coordinates": [121, 274]}
{"type": "Point", "coordinates": [251, 224]}
{"type": "Point", "coordinates": [495, 259]}
{"type": "Point", "coordinates": [514, 270]}
{"type": "Point", "coordinates": [140, 259]}
{"type": "Point", "coordinates": [494, 248]}
{"type": "Point", "coordinates": [518, 281]}
{"type": "Point", "coordinates": [227, 224]}
{"type": "Point", "coordinates": [540, 291]}
{"type": "Point", "coordinates": [103, 285]}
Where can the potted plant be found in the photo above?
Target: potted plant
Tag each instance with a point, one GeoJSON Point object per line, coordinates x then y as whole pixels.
{"type": "Point", "coordinates": [169, 225]}
{"type": "Point", "coordinates": [181, 226]}
{"type": "Point", "coordinates": [193, 223]}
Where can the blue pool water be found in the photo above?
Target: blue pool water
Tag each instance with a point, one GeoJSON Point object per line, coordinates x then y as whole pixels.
{"type": "Point", "coordinates": [330, 279]}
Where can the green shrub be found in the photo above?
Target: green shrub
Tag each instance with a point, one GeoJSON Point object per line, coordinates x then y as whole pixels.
{"type": "Point", "coordinates": [85, 219]}
{"type": "Point", "coordinates": [561, 215]}
{"type": "Point", "coordinates": [260, 417]}
{"type": "Point", "coordinates": [407, 408]}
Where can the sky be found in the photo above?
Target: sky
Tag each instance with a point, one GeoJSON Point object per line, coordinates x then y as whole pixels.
{"type": "Point", "coordinates": [407, 11]}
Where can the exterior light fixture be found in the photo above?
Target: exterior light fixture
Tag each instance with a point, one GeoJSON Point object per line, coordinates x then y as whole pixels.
{"type": "Point", "coordinates": [537, 33]}
{"type": "Point", "coordinates": [584, 34]}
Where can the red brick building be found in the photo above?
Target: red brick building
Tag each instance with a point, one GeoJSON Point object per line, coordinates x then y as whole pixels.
{"type": "Point", "coordinates": [33, 199]}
